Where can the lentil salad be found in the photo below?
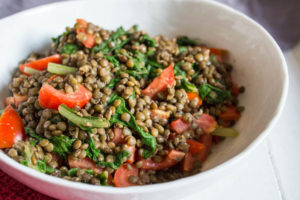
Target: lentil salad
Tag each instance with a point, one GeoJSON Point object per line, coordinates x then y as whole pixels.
{"type": "Point", "coordinates": [119, 108]}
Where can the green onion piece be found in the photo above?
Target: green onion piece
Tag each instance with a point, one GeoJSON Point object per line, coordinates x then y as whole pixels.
{"type": "Point", "coordinates": [31, 71]}
{"type": "Point", "coordinates": [60, 69]}
{"type": "Point", "coordinates": [85, 123]}
{"type": "Point", "coordinates": [225, 132]}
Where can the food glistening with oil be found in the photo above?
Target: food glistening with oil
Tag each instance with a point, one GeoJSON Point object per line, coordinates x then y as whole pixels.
{"type": "Point", "coordinates": [119, 108]}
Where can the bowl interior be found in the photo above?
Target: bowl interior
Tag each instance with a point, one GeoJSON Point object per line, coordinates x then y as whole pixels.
{"type": "Point", "coordinates": [256, 59]}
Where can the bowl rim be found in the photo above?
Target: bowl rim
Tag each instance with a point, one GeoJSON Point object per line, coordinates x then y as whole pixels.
{"type": "Point", "coordinates": [171, 184]}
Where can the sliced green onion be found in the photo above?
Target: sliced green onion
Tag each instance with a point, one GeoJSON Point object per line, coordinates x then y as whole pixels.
{"type": "Point", "coordinates": [60, 69]}
{"type": "Point", "coordinates": [29, 70]}
{"type": "Point", "coordinates": [225, 132]}
{"type": "Point", "coordinates": [85, 123]}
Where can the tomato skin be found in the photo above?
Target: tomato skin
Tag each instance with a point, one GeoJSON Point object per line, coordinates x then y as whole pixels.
{"type": "Point", "coordinates": [160, 83]}
{"type": "Point", "coordinates": [168, 161]}
{"type": "Point", "coordinates": [188, 162]}
{"type": "Point", "coordinates": [41, 64]}
{"type": "Point", "coordinates": [11, 128]}
{"type": "Point", "coordinates": [206, 140]}
{"type": "Point", "coordinates": [195, 147]}
{"type": "Point", "coordinates": [90, 40]}
{"type": "Point", "coordinates": [122, 175]}
{"type": "Point", "coordinates": [84, 163]}
{"type": "Point", "coordinates": [118, 136]}
{"type": "Point", "coordinates": [131, 150]}
{"type": "Point", "coordinates": [179, 125]}
{"type": "Point", "coordinates": [194, 95]}
{"type": "Point", "coordinates": [15, 99]}
{"type": "Point", "coordinates": [207, 123]}
{"type": "Point", "coordinates": [230, 114]}
{"type": "Point", "coordinates": [51, 98]}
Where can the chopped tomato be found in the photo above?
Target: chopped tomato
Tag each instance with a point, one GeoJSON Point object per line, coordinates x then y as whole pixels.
{"type": "Point", "coordinates": [118, 136]}
{"type": "Point", "coordinates": [216, 139]}
{"type": "Point", "coordinates": [195, 147]}
{"type": "Point", "coordinates": [15, 99]}
{"type": "Point", "coordinates": [90, 40]}
{"type": "Point", "coordinates": [51, 98]}
{"type": "Point", "coordinates": [11, 128]}
{"type": "Point", "coordinates": [41, 64]}
{"type": "Point", "coordinates": [235, 89]}
{"type": "Point", "coordinates": [168, 161]}
{"type": "Point", "coordinates": [225, 123]}
{"type": "Point", "coordinates": [84, 163]}
{"type": "Point", "coordinates": [231, 114]}
{"type": "Point", "coordinates": [160, 83]}
{"type": "Point", "coordinates": [219, 53]}
{"type": "Point", "coordinates": [206, 140]}
{"type": "Point", "coordinates": [159, 113]}
{"type": "Point", "coordinates": [188, 162]}
{"type": "Point", "coordinates": [131, 150]}
{"type": "Point", "coordinates": [207, 123]}
{"type": "Point", "coordinates": [179, 125]}
{"type": "Point", "coordinates": [121, 177]}
{"type": "Point", "coordinates": [194, 95]}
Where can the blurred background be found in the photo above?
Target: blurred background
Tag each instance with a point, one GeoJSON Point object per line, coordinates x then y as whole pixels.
{"type": "Point", "coordinates": [280, 17]}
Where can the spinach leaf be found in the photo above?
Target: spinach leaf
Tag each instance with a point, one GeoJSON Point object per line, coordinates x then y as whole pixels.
{"type": "Point", "coordinates": [69, 48]}
{"type": "Point", "coordinates": [29, 131]}
{"type": "Point", "coordinates": [114, 38]}
{"type": "Point", "coordinates": [72, 172]}
{"type": "Point", "coordinates": [113, 82]}
{"type": "Point", "coordinates": [103, 178]}
{"type": "Point", "coordinates": [147, 139]}
{"type": "Point", "coordinates": [182, 49]}
{"type": "Point", "coordinates": [186, 41]}
{"type": "Point", "coordinates": [178, 71]}
{"type": "Point", "coordinates": [187, 86]}
{"type": "Point", "coordinates": [56, 40]}
{"type": "Point", "coordinates": [44, 168]}
{"type": "Point", "coordinates": [214, 95]}
{"type": "Point", "coordinates": [148, 40]}
{"type": "Point", "coordinates": [93, 154]}
{"type": "Point", "coordinates": [62, 145]}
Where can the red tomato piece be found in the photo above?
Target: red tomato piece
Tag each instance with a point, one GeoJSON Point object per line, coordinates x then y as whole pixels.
{"type": "Point", "coordinates": [188, 162]}
{"type": "Point", "coordinates": [206, 140]}
{"type": "Point", "coordinates": [11, 128]}
{"type": "Point", "coordinates": [207, 123]}
{"type": "Point", "coordinates": [51, 98]}
{"type": "Point", "coordinates": [194, 95]}
{"type": "Point", "coordinates": [160, 83]}
{"type": "Point", "coordinates": [159, 113]}
{"type": "Point", "coordinates": [16, 99]}
{"type": "Point", "coordinates": [82, 22]}
{"type": "Point", "coordinates": [131, 150]}
{"type": "Point", "coordinates": [231, 114]}
{"type": "Point", "coordinates": [118, 136]}
{"type": "Point", "coordinates": [41, 64]}
{"type": "Point", "coordinates": [121, 177]}
{"type": "Point", "coordinates": [90, 40]}
{"type": "Point", "coordinates": [179, 125]}
{"type": "Point", "coordinates": [235, 89]}
{"type": "Point", "coordinates": [168, 161]}
{"type": "Point", "coordinates": [219, 53]}
{"type": "Point", "coordinates": [195, 147]}
{"type": "Point", "coordinates": [84, 163]}
{"type": "Point", "coordinates": [216, 139]}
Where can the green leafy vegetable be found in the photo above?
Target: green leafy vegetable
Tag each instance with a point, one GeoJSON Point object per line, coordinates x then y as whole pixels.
{"type": "Point", "coordinates": [44, 168]}
{"type": "Point", "coordinates": [186, 41]}
{"type": "Point", "coordinates": [72, 172]}
{"type": "Point", "coordinates": [69, 48]}
{"type": "Point", "coordinates": [113, 82]}
{"type": "Point", "coordinates": [182, 49]}
{"type": "Point", "coordinates": [148, 40]}
{"type": "Point", "coordinates": [56, 40]}
{"type": "Point", "coordinates": [178, 71]}
{"type": "Point", "coordinates": [85, 123]}
{"type": "Point", "coordinates": [147, 139]}
{"type": "Point", "coordinates": [187, 86]}
{"type": "Point", "coordinates": [93, 154]}
{"type": "Point", "coordinates": [214, 95]}
{"type": "Point", "coordinates": [114, 38]}
{"type": "Point", "coordinates": [60, 69]}
{"type": "Point", "coordinates": [103, 178]}
{"type": "Point", "coordinates": [29, 131]}
{"type": "Point", "coordinates": [62, 145]}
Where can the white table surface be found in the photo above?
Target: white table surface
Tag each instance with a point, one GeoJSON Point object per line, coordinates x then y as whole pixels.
{"type": "Point", "coordinates": [272, 170]}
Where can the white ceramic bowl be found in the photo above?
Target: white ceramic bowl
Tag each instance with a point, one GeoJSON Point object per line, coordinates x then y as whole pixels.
{"type": "Point", "coordinates": [258, 61]}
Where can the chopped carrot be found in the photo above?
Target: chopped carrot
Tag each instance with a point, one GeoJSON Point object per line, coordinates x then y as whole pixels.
{"type": "Point", "coordinates": [231, 114]}
{"type": "Point", "coordinates": [194, 95]}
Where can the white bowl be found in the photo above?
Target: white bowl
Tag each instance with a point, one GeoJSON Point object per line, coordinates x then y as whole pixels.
{"type": "Point", "coordinates": [258, 65]}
